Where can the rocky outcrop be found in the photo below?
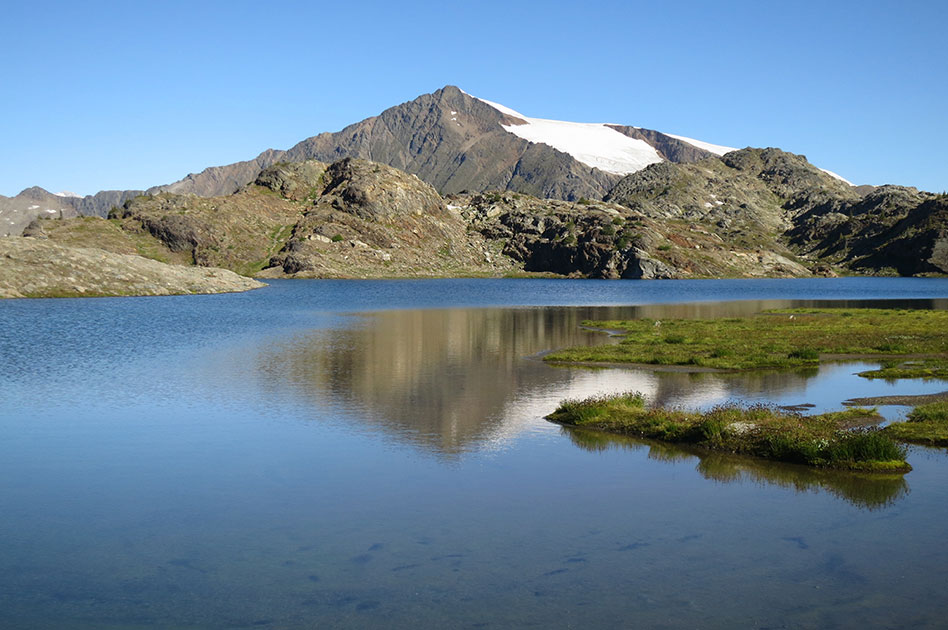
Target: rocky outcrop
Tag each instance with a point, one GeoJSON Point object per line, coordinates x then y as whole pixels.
{"type": "Point", "coordinates": [37, 268]}
{"type": "Point", "coordinates": [671, 149]}
{"type": "Point", "coordinates": [296, 181]}
{"type": "Point", "coordinates": [370, 220]}
{"type": "Point", "coordinates": [893, 229]}
{"type": "Point", "coordinates": [768, 199]}
{"type": "Point", "coordinates": [606, 240]}
{"type": "Point", "coordinates": [756, 213]}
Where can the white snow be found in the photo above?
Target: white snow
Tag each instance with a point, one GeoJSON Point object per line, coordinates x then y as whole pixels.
{"type": "Point", "coordinates": [593, 144]}
{"type": "Point", "coordinates": [51, 211]}
{"type": "Point", "coordinates": [32, 207]}
{"type": "Point", "coordinates": [66, 193]}
{"type": "Point", "coordinates": [716, 149]}
{"type": "Point", "coordinates": [832, 174]}
{"type": "Point", "coordinates": [501, 108]}
{"type": "Point", "coordinates": [598, 145]}
{"type": "Point", "coordinates": [708, 204]}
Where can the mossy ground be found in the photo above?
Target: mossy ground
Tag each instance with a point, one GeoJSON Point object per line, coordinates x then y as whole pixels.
{"type": "Point", "coordinates": [831, 440]}
{"type": "Point", "coordinates": [925, 424]}
{"type": "Point", "coordinates": [774, 339]}
{"type": "Point", "coordinates": [918, 368]}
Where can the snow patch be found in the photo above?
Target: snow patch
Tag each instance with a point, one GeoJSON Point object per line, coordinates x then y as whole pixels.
{"type": "Point", "coordinates": [66, 193]}
{"type": "Point", "coordinates": [716, 149]}
{"type": "Point", "coordinates": [501, 108]}
{"type": "Point", "coordinates": [598, 145]}
{"type": "Point", "coordinates": [832, 174]}
{"type": "Point", "coordinates": [32, 207]}
{"type": "Point", "coordinates": [593, 144]}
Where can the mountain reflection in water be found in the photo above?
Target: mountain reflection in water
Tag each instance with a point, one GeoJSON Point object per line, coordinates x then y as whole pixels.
{"type": "Point", "coordinates": [449, 381]}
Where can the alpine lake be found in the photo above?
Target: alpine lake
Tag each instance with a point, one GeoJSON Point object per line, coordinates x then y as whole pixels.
{"type": "Point", "coordinates": [374, 454]}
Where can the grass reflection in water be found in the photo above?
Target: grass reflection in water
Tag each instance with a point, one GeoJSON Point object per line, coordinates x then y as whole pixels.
{"type": "Point", "coordinates": [868, 491]}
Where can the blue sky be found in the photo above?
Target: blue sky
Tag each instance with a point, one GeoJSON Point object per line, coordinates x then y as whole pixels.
{"type": "Point", "coordinates": [121, 95]}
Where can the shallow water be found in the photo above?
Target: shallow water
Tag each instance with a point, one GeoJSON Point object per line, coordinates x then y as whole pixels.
{"type": "Point", "coordinates": [374, 454]}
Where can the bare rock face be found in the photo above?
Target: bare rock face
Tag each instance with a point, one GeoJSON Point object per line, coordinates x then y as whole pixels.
{"type": "Point", "coordinates": [608, 240]}
{"type": "Point", "coordinates": [34, 268]}
{"type": "Point", "coordinates": [372, 220]}
{"type": "Point", "coordinates": [296, 181]}
{"type": "Point", "coordinates": [376, 192]}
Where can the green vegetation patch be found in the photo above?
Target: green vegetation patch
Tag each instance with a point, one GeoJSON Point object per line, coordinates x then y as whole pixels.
{"type": "Point", "coordinates": [921, 368]}
{"type": "Point", "coordinates": [773, 339]}
{"type": "Point", "coordinates": [830, 440]}
{"type": "Point", "coordinates": [926, 424]}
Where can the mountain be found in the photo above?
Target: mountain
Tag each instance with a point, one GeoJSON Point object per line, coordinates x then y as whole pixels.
{"type": "Point", "coordinates": [752, 212]}
{"type": "Point", "coordinates": [17, 212]}
{"type": "Point", "coordinates": [457, 142]}
{"type": "Point", "coordinates": [449, 139]}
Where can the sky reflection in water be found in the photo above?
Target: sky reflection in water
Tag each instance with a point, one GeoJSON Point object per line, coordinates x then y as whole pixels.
{"type": "Point", "coordinates": [267, 460]}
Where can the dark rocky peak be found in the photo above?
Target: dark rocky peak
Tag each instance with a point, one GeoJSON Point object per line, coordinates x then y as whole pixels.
{"type": "Point", "coordinates": [671, 149]}
{"type": "Point", "coordinates": [36, 193]}
{"type": "Point", "coordinates": [456, 142]}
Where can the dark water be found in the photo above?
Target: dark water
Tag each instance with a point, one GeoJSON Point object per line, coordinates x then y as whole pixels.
{"type": "Point", "coordinates": [373, 454]}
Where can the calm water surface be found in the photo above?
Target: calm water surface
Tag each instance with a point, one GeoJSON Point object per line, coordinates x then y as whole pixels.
{"type": "Point", "coordinates": [374, 454]}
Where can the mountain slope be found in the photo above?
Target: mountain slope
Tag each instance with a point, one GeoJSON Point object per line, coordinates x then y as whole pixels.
{"type": "Point", "coordinates": [457, 142]}
{"type": "Point", "coordinates": [752, 212]}
{"type": "Point", "coordinates": [452, 141]}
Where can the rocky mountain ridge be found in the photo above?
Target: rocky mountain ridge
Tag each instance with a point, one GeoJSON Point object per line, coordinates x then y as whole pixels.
{"type": "Point", "coordinates": [450, 139]}
{"type": "Point", "coordinates": [753, 212]}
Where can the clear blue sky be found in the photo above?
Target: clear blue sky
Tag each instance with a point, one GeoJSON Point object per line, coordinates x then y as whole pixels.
{"type": "Point", "coordinates": [106, 95]}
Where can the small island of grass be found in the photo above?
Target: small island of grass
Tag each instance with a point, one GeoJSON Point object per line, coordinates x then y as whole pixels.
{"type": "Point", "coordinates": [919, 368]}
{"type": "Point", "coordinates": [776, 339]}
{"type": "Point", "coordinates": [925, 424]}
{"type": "Point", "coordinates": [831, 440]}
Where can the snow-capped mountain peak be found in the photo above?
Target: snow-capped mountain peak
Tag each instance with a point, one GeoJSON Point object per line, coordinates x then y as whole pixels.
{"type": "Point", "coordinates": [599, 144]}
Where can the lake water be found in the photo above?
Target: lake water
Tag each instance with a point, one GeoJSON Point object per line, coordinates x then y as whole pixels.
{"type": "Point", "coordinates": [374, 454]}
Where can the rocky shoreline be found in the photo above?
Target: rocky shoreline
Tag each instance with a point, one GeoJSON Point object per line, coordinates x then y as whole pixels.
{"type": "Point", "coordinates": [33, 268]}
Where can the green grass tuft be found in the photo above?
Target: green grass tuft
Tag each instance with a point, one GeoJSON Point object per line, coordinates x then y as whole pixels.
{"type": "Point", "coordinates": [776, 339]}
{"type": "Point", "coordinates": [826, 440]}
{"type": "Point", "coordinates": [925, 424]}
